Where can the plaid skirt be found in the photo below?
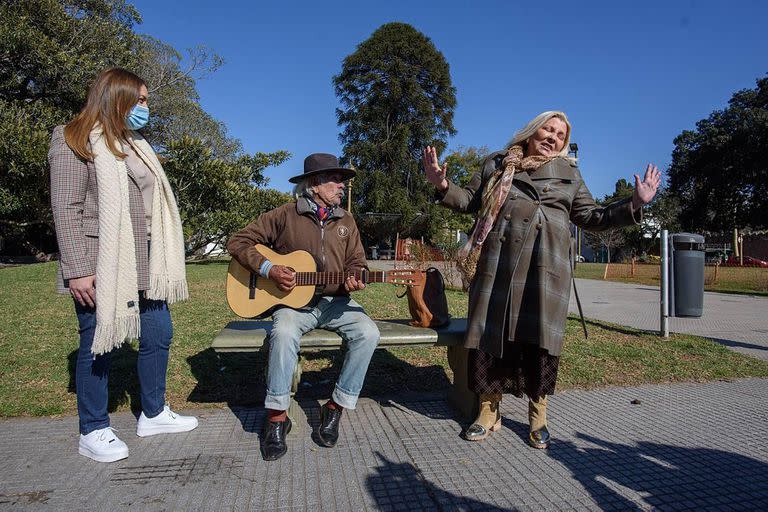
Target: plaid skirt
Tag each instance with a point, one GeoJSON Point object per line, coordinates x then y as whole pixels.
{"type": "Point", "coordinates": [524, 369]}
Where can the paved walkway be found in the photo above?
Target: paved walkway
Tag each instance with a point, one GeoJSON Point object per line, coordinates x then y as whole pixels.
{"type": "Point", "coordinates": [738, 321]}
{"type": "Point", "coordinates": [664, 447]}
{"type": "Point", "coordinates": [659, 447]}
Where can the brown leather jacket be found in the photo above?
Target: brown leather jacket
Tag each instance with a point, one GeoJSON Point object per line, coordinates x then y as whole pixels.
{"type": "Point", "coordinates": [336, 246]}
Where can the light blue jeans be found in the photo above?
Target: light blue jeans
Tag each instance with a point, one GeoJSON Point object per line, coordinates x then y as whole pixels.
{"type": "Point", "coordinates": [340, 314]}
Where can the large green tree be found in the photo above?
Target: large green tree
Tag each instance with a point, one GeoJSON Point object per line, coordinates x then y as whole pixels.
{"type": "Point", "coordinates": [396, 97]}
{"type": "Point", "coordinates": [50, 50]}
{"type": "Point", "coordinates": [719, 171]}
{"type": "Point", "coordinates": [50, 53]}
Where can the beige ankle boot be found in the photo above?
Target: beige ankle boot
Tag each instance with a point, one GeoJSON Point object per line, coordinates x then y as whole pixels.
{"type": "Point", "coordinates": [537, 419]}
{"type": "Point", "coordinates": [488, 419]}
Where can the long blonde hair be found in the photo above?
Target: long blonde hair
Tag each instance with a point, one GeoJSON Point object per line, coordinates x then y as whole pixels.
{"type": "Point", "coordinates": [110, 98]}
{"type": "Point", "coordinates": [537, 122]}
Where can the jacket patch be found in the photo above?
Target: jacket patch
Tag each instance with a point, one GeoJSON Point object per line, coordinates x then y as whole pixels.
{"type": "Point", "coordinates": [343, 231]}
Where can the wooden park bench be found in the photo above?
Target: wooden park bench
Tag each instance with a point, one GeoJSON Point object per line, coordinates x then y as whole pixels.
{"type": "Point", "coordinates": [250, 335]}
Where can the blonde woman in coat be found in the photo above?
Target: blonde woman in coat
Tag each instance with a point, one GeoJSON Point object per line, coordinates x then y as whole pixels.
{"type": "Point", "coordinates": [518, 265]}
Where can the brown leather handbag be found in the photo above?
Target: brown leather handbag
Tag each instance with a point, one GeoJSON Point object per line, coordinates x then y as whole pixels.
{"type": "Point", "coordinates": [427, 301]}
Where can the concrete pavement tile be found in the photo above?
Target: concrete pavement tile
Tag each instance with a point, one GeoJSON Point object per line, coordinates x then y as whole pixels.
{"type": "Point", "coordinates": [606, 454]}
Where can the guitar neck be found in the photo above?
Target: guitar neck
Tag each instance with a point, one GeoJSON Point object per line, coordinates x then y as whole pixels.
{"type": "Point", "coordinates": [316, 278]}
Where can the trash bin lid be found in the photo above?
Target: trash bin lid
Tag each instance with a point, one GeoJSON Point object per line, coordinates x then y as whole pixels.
{"type": "Point", "coordinates": [692, 238]}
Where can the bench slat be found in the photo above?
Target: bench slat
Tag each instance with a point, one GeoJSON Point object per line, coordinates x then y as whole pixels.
{"type": "Point", "coordinates": [249, 335]}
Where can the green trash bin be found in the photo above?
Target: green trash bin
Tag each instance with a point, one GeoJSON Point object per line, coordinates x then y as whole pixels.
{"type": "Point", "coordinates": [686, 275]}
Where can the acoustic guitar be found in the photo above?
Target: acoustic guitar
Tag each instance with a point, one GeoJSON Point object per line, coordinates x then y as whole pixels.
{"type": "Point", "coordinates": [250, 295]}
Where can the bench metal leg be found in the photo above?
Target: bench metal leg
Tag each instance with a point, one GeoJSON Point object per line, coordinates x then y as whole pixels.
{"type": "Point", "coordinates": [460, 397]}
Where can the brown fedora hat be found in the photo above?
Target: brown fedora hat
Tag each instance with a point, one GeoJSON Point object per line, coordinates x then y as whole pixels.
{"type": "Point", "coordinates": [317, 163]}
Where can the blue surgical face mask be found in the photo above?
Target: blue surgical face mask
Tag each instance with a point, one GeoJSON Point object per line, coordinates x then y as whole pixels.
{"type": "Point", "coordinates": [137, 118]}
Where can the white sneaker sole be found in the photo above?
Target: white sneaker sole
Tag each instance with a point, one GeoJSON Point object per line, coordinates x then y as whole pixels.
{"type": "Point", "coordinates": [112, 457]}
{"type": "Point", "coordinates": [151, 430]}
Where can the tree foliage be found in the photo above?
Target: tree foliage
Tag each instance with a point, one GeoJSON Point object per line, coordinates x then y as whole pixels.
{"type": "Point", "coordinates": [719, 172]}
{"type": "Point", "coordinates": [396, 97]}
{"type": "Point", "coordinates": [174, 101]}
{"type": "Point", "coordinates": [219, 196]}
{"type": "Point", "coordinates": [611, 239]}
{"type": "Point", "coordinates": [50, 53]}
{"type": "Point", "coordinates": [661, 213]}
{"type": "Point", "coordinates": [463, 163]}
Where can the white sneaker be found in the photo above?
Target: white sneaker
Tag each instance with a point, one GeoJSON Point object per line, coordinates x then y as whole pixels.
{"type": "Point", "coordinates": [167, 422]}
{"type": "Point", "coordinates": [102, 445]}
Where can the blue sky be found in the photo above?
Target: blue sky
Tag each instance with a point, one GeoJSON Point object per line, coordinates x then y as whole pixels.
{"type": "Point", "coordinates": [630, 75]}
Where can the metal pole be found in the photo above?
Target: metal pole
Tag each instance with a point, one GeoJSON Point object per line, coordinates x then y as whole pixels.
{"type": "Point", "coordinates": [741, 250]}
{"type": "Point", "coordinates": [349, 196]}
{"type": "Point", "coordinates": [349, 188]}
{"type": "Point", "coordinates": [663, 289]}
{"type": "Point", "coordinates": [578, 231]}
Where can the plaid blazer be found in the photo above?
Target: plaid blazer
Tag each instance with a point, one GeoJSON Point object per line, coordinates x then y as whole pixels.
{"type": "Point", "coordinates": [75, 205]}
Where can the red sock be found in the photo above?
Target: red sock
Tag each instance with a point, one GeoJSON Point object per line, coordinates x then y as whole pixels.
{"type": "Point", "coordinates": [333, 405]}
{"type": "Point", "coordinates": [275, 415]}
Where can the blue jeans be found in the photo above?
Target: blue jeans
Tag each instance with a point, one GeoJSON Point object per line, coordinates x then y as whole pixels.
{"type": "Point", "coordinates": [340, 314]}
{"type": "Point", "coordinates": [92, 374]}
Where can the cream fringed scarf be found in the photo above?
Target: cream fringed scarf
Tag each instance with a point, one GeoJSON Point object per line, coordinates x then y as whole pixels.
{"type": "Point", "coordinates": [494, 194]}
{"type": "Point", "coordinates": [117, 298]}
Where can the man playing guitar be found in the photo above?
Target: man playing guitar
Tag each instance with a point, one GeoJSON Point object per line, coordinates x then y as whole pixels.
{"type": "Point", "coordinates": [317, 224]}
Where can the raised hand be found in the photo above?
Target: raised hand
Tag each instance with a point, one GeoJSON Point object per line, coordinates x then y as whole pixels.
{"type": "Point", "coordinates": [436, 174]}
{"type": "Point", "coordinates": [645, 190]}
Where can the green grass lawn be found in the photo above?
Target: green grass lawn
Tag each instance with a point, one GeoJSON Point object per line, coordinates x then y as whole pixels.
{"type": "Point", "coordinates": [38, 341]}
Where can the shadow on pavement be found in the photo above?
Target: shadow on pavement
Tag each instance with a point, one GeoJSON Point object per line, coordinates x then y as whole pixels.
{"type": "Point", "coordinates": [401, 486]}
{"type": "Point", "coordinates": [664, 477]}
{"type": "Point", "coordinates": [738, 344]}
{"type": "Point", "coordinates": [238, 379]}
{"type": "Point", "coordinates": [430, 405]}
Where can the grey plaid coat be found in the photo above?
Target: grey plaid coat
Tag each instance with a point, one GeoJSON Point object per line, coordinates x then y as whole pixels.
{"type": "Point", "coordinates": [522, 285]}
{"type": "Point", "coordinates": [74, 200]}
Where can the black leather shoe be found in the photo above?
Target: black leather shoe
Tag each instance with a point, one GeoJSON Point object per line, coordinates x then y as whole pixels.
{"type": "Point", "coordinates": [273, 446]}
{"type": "Point", "coordinates": [328, 431]}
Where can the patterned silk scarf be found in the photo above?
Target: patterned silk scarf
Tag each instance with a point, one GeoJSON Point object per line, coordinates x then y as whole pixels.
{"type": "Point", "coordinates": [323, 213]}
{"type": "Point", "coordinates": [494, 194]}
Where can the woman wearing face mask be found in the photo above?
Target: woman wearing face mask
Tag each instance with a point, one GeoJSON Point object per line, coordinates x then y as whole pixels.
{"type": "Point", "coordinates": [122, 255]}
{"type": "Point", "coordinates": [518, 265]}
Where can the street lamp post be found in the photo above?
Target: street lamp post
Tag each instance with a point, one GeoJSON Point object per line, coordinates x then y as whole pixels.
{"type": "Point", "coordinates": [574, 148]}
